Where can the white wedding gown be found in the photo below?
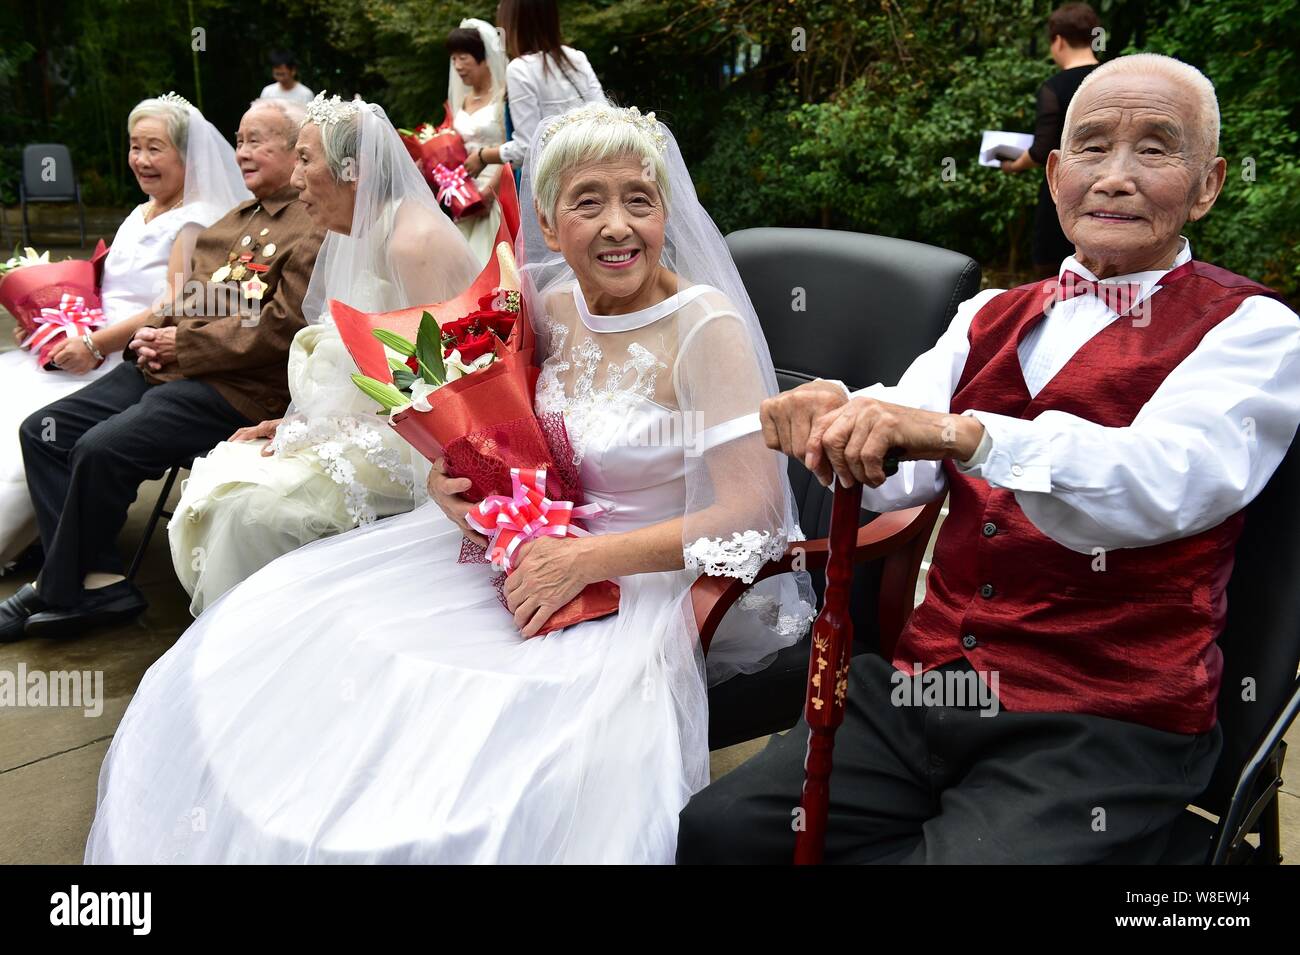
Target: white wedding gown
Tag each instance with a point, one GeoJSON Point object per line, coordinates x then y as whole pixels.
{"type": "Point", "coordinates": [482, 128]}
{"type": "Point", "coordinates": [134, 272]}
{"type": "Point", "coordinates": [336, 465]}
{"type": "Point", "coordinates": [368, 699]}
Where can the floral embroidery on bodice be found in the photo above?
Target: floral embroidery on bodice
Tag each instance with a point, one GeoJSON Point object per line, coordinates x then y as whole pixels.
{"type": "Point", "coordinates": [590, 407]}
{"type": "Point", "coordinates": [615, 381]}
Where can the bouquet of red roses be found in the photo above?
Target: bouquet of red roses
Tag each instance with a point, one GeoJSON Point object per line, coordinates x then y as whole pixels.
{"type": "Point", "coordinates": [440, 154]}
{"type": "Point", "coordinates": [462, 388]}
{"type": "Point", "coordinates": [52, 301]}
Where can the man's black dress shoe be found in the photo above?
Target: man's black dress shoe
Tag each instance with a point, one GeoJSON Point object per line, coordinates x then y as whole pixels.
{"type": "Point", "coordinates": [112, 604]}
{"type": "Point", "coordinates": [17, 610]}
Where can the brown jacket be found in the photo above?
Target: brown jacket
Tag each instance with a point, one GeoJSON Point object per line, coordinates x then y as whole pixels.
{"type": "Point", "coordinates": [231, 341]}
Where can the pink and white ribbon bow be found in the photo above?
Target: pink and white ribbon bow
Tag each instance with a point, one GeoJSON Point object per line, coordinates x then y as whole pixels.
{"type": "Point", "coordinates": [71, 317]}
{"type": "Point", "coordinates": [525, 515]}
{"type": "Point", "coordinates": [451, 183]}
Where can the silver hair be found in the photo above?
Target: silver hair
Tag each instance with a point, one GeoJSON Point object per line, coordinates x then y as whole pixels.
{"type": "Point", "coordinates": [1176, 71]}
{"type": "Point", "coordinates": [294, 113]}
{"type": "Point", "coordinates": [174, 115]}
{"type": "Point", "coordinates": [341, 143]}
{"type": "Point", "coordinates": [598, 133]}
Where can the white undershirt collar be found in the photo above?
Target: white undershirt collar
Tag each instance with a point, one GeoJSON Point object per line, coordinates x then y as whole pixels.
{"type": "Point", "coordinates": [1150, 281]}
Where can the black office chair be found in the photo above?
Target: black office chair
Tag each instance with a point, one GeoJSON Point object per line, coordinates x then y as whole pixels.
{"type": "Point", "coordinates": [159, 511]}
{"type": "Point", "coordinates": [840, 305]}
{"type": "Point", "coordinates": [1260, 696]}
{"type": "Point", "coordinates": [48, 176]}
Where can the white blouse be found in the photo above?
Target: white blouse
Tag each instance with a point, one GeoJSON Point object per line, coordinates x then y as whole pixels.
{"type": "Point", "coordinates": [1197, 452]}
{"type": "Point", "coordinates": [535, 94]}
{"type": "Point", "coordinates": [135, 270]}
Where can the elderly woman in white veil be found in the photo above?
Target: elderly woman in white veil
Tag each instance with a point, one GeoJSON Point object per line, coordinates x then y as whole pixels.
{"type": "Point", "coordinates": [476, 91]}
{"type": "Point", "coordinates": [368, 699]}
{"type": "Point", "coordinates": [188, 171]}
{"type": "Point", "coordinates": [331, 463]}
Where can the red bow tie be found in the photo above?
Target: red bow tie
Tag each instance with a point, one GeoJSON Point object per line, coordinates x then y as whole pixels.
{"type": "Point", "coordinates": [1117, 296]}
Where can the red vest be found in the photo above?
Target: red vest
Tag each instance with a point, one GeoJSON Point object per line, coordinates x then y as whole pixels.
{"type": "Point", "coordinates": [1135, 641]}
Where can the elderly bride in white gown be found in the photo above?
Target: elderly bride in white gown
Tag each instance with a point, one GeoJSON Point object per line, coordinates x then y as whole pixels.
{"type": "Point", "coordinates": [367, 698]}
{"type": "Point", "coordinates": [476, 90]}
{"type": "Point", "coordinates": [188, 171]}
{"type": "Point", "coordinates": [330, 463]}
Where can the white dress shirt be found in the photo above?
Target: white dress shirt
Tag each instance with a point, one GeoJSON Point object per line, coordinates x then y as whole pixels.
{"type": "Point", "coordinates": [535, 94]}
{"type": "Point", "coordinates": [1197, 452]}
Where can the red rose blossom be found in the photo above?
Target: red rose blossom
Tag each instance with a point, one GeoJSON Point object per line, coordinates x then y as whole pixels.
{"type": "Point", "coordinates": [475, 346]}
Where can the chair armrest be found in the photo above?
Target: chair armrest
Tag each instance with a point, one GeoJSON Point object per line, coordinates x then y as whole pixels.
{"type": "Point", "coordinates": [887, 535]}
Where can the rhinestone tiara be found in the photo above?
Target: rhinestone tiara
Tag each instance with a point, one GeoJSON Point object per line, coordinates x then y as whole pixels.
{"type": "Point", "coordinates": [602, 113]}
{"type": "Point", "coordinates": [174, 97]}
{"type": "Point", "coordinates": [324, 112]}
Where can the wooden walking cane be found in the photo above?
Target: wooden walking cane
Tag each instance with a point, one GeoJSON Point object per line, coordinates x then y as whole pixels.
{"type": "Point", "coordinates": [828, 674]}
{"type": "Point", "coordinates": [828, 665]}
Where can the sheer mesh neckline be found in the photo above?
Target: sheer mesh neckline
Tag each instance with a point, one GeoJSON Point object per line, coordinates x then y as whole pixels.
{"type": "Point", "coordinates": [633, 320]}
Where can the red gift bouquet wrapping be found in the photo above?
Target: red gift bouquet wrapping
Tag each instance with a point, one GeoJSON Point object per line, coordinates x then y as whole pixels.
{"type": "Point", "coordinates": [440, 154]}
{"type": "Point", "coordinates": [55, 299]}
{"type": "Point", "coordinates": [484, 427]}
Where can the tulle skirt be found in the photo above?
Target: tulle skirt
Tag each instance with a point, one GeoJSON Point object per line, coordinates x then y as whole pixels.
{"type": "Point", "coordinates": [240, 510]}
{"type": "Point", "coordinates": [368, 699]}
{"type": "Point", "coordinates": [25, 387]}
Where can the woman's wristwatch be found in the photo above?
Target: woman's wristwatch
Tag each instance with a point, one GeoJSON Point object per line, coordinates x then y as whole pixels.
{"type": "Point", "coordinates": [90, 344]}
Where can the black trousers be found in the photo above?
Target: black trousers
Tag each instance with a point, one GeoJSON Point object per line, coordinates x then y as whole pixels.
{"type": "Point", "coordinates": [945, 784]}
{"type": "Point", "coordinates": [87, 454]}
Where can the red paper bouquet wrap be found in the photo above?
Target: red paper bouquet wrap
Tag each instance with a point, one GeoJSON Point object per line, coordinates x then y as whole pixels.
{"type": "Point", "coordinates": [440, 154]}
{"type": "Point", "coordinates": [51, 299]}
{"type": "Point", "coordinates": [456, 190]}
{"type": "Point", "coordinates": [483, 424]}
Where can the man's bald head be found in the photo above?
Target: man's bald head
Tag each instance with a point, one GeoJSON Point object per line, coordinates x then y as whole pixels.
{"type": "Point", "coordinates": [1137, 162]}
{"type": "Point", "coordinates": [264, 145]}
{"type": "Point", "coordinates": [1139, 67]}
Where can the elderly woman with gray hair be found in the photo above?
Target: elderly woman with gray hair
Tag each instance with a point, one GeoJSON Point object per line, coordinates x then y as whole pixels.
{"type": "Point", "coordinates": [187, 171]}
{"type": "Point", "coordinates": [368, 699]}
{"type": "Point", "coordinates": [330, 463]}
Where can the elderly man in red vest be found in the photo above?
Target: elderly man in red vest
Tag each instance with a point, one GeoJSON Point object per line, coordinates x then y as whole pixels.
{"type": "Point", "coordinates": [1099, 435]}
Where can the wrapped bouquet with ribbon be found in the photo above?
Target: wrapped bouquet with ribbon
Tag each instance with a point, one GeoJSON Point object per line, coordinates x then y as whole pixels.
{"type": "Point", "coordinates": [52, 300]}
{"type": "Point", "coordinates": [440, 154]}
{"type": "Point", "coordinates": [457, 380]}
{"type": "Point", "coordinates": [71, 318]}
{"type": "Point", "coordinates": [457, 191]}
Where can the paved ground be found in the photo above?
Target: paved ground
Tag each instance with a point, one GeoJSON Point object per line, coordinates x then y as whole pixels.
{"type": "Point", "coordinates": [50, 757]}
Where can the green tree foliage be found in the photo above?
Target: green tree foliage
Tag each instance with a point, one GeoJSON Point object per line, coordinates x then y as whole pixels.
{"type": "Point", "coordinates": [1251, 50]}
{"type": "Point", "coordinates": [855, 114]}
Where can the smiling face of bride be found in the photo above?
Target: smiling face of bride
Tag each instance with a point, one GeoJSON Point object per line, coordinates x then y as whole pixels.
{"type": "Point", "coordinates": [328, 197]}
{"type": "Point", "coordinates": [158, 165]}
{"type": "Point", "coordinates": [609, 224]}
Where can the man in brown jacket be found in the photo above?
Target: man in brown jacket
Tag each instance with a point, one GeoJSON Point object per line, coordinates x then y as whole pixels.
{"type": "Point", "coordinates": [216, 362]}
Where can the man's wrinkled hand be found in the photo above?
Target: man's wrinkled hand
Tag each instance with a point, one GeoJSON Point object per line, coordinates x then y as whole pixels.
{"type": "Point", "coordinates": [155, 348]}
{"type": "Point", "coordinates": [853, 442]}
{"type": "Point", "coordinates": [788, 418]}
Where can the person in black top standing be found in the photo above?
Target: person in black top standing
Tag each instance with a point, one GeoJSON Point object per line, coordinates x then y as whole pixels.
{"type": "Point", "coordinates": [1072, 28]}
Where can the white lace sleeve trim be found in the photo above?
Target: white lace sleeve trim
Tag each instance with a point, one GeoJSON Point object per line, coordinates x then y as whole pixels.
{"type": "Point", "coordinates": [768, 609]}
{"type": "Point", "coordinates": [741, 557]}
